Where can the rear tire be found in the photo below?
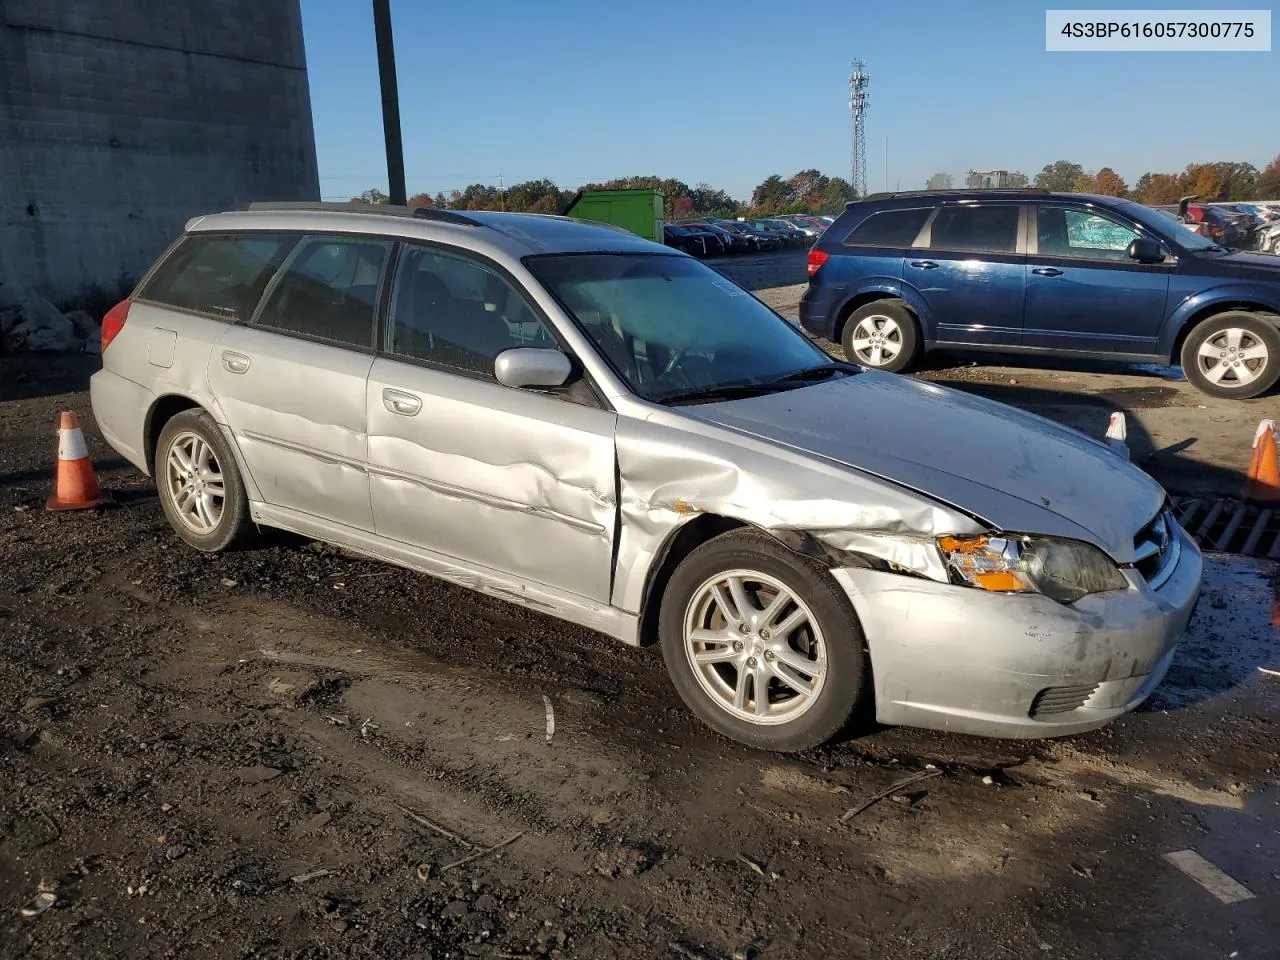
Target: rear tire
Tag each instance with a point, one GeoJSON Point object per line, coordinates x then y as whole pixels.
{"type": "Point", "coordinates": [1235, 354]}
{"type": "Point", "coordinates": [881, 335]}
{"type": "Point", "coordinates": [199, 483]}
{"type": "Point", "coordinates": [762, 644]}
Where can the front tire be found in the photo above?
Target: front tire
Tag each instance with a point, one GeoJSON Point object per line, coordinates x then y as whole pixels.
{"type": "Point", "coordinates": [762, 644]}
{"type": "Point", "coordinates": [200, 488]}
{"type": "Point", "coordinates": [1235, 354]}
{"type": "Point", "coordinates": [881, 335]}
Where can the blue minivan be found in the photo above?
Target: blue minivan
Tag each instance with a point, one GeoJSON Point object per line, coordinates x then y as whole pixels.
{"type": "Point", "coordinates": [1032, 271]}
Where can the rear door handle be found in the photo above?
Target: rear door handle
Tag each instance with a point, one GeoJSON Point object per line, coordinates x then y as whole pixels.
{"type": "Point", "coordinates": [924, 264]}
{"type": "Point", "coordinates": [235, 362]}
{"type": "Point", "coordinates": [401, 403]}
{"type": "Point", "coordinates": [1047, 272]}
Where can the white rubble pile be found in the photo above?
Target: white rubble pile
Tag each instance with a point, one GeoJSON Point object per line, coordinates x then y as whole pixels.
{"type": "Point", "coordinates": [29, 322]}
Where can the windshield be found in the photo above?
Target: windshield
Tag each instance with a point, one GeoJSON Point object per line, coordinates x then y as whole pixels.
{"type": "Point", "coordinates": [1164, 226]}
{"type": "Point", "coordinates": [670, 325]}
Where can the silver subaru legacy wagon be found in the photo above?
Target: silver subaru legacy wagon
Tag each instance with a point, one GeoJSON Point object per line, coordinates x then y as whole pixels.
{"type": "Point", "coordinates": [571, 418]}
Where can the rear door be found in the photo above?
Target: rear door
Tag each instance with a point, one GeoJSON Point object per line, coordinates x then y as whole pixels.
{"type": "Point", "coordinates": [518, 481]}
{"type": "Point", "coordinates": [291, 381]}
{"type": "Point", "coordinates": [968, 268]}
{"type": "Point", "coordinates": [1083, 290]}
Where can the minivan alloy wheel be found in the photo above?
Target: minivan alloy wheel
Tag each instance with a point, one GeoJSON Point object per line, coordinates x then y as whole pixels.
{"type": "Point", "coordinates": [877, 340]}
{"type": "Point", "coordinates": [755, 647]}
{"type": "Point", "coordinates": [1232, 357]}
{"type": "Point", "coordinates": [194, 482]}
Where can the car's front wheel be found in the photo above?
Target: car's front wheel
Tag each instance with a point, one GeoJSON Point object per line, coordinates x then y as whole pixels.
{"type": "Point", "coordinates": [201, 492]}
{"type": "Point", "coordinates": [1233, 354]}
{"type": "Point", "coordinates": [761, 643]}
{"type": "Point", "coordinates": [881, 335]}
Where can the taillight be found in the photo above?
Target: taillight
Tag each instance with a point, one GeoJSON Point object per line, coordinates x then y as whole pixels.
{"type": "Point", "coordinates": [113, 322]}
{"type": "Point", "coordinates": [816, 259]}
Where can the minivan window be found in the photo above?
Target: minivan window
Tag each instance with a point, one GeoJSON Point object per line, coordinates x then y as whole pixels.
{"type": "Point", "coordinates": [217, 274]}
{"type": "Point", "coordinates": [985, 229]}
{"type": "Point", "coordinates": [888, 228]}
{"type": "Point", "coordinates": [457, 312]}
{"type": "Point", "coordinates": [1070, 232]}
{"type": "Point", "coordinates": [328, 288]}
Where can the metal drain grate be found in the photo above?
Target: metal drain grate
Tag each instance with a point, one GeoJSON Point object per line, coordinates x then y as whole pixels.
{"type": "Point", "coordinates": [1230, 526]}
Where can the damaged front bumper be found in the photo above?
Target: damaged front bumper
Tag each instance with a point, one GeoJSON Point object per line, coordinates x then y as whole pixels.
{"type": "Point", "coordinates": [956, 658]}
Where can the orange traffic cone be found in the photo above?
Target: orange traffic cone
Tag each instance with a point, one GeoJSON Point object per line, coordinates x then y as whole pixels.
{"type": "Point", "coordinates": [1262, 485]}
{"type": "Point", "coordinates": [74, 487]}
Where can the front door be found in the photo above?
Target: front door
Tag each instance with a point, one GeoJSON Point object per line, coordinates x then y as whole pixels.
{"type": "Point", "coordinates": [517, 481]}
{"type": "Point", "coordinates": [291, 382]}
{"type": "Point", "coordinates": [1083, 290]}
{"type": "Point", "coordinates": [968, 268]}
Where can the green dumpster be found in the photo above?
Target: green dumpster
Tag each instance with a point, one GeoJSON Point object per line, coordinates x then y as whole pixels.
{"type": "Point", "coordinates": [639, 211]}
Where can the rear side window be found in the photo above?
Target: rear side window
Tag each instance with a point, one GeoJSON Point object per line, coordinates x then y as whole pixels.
{"type": "Point", "coordinates": [328, 289]}
{"type": "Point", "coordinates": [988, 229]}
{"type": "Point", "coordinates": [217, 274]}
{"type": "Point", "coordinates": [889, 228]}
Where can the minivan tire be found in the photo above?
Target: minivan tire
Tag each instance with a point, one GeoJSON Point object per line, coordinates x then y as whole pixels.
{"type": "Point", "coordinates": [789, 720]}
{"type": "Point", "coordinates": [1222, 334]}
{"type": "Point", "coordinates": [195, 432]}
{"type": "Point", "coordinates": [903, 335]}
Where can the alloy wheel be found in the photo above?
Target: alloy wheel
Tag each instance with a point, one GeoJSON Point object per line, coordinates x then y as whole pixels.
{"type": "Point", "coordinates": [877, 339]}
{"type": "Point", "coordinates": [1232, 357]}
{"type": "Point", "coordinates": [194, 482]}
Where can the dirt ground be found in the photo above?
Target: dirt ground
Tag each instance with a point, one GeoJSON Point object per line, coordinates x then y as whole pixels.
{"type": "Point", "coordinates": [187, 742]}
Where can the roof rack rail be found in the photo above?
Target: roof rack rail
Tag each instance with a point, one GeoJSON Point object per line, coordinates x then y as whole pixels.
{"type": "Point", "coordinates": [894, 194]}
{"type": "Point", "coordinates": [381, 209]}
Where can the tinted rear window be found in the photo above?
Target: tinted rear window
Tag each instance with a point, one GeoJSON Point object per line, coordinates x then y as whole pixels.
{"type": "Point", "coordinates": [989, 229]}
{"type": "Point", "coordinates": [217, 274]}
{"type": "Point", "coordinates": [889, 228]}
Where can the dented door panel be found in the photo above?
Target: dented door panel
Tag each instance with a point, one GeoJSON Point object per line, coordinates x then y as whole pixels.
{"type": "Point", "coordinates": [513, 480]}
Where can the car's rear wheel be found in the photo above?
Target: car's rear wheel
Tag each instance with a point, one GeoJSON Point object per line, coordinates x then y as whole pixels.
{"type": "Point", "coordinates": [881, 335]}
{"type": "Point", "coordinates": [761, 643]}
{"type": "Point", "coordinates": [201, 492]}
{"type": "Point", "coordinates": [1233, 354]}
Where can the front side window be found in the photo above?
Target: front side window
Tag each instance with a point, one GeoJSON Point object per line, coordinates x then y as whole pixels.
{"type": "Point", "coordinates": [888, 228]}
{"type": "Point", "coordinates": [218, 274]}
{"type": "Point", "coordinates": [457, 312]}
{"type": "Point", "coordinates": [328, 289]}
{"type": "Point", "coordinates": [981, 228]}
{"type": "Point", "coordinates": [1069, 232]}
{"type": "Point", "coordinates": [670, 325]}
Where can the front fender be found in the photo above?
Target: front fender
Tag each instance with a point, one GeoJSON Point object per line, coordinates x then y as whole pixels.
{"type": "Point", "coordinates": [1247, 295]}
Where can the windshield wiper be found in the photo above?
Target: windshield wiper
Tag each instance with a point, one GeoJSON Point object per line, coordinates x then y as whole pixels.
{"type": "Point", "coordinates": [723, 391]}
{"type": "Point", "coordinates": [817, 373]}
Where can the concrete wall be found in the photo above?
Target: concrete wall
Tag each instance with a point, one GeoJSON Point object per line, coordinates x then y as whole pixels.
{"type": "Point", "coordinates": [121, 119]}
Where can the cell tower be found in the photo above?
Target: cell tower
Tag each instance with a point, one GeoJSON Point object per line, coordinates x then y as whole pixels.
{"type": "Point", "coordinates": [859, 80]}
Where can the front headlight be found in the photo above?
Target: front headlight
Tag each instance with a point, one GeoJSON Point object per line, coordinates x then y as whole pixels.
{"type": "Point", "coordinates": [1063, 570]}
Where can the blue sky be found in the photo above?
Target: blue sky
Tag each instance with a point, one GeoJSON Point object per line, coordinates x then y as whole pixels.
{"type": "Point", "coordinates": [730, 91]}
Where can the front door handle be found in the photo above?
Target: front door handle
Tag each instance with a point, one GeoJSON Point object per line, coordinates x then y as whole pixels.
{"type": "Point", "coordinates": [401, 403]}
{"type": "Point", "coordinates": [235, 362]}
{"type": "Point", "coordinates": [924, 264]}
{"type": "Point", "coordinates": [1047, 272]}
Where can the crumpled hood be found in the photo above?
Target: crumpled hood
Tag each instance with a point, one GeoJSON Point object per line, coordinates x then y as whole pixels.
{"type": "Point", "coordinates": [1015, 471]}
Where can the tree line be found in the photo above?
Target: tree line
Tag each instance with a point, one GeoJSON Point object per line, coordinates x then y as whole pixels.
{"type": "Point", "coordinates": [808, 191]}
{"type": "Point", "coordinates": [1223, 180]}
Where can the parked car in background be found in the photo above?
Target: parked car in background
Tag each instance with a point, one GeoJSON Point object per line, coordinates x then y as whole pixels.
{"type": "Point", "coordinates": [1233, 230]}
{"type": "Point", "coordinates": [732, 242]}
{"type": "Point", "coordinates": [1045, 273]}
{"type": "Point", "coordinates": [699, 243]}
{"type": "Point", "coordinates": [759, 241]}
{"type": "Point", "coordinates": [610, 432]}
{"type": "Point", "coordinates": [810, 230]}
{"type": "Point", "coordinates": [791, 234]}
{"type": "Point", "coordinates": [784, 237]}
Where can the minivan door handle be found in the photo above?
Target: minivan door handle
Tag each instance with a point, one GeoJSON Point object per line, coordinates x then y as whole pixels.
{"type": "Point", "coordinates": [235, 362]}
{"type": "Point", "coordinates": [1047, 272]}
{"type": "Point", "coordinates": [403, 404]}
{"type": "Point", "coordinates": [924, 264]}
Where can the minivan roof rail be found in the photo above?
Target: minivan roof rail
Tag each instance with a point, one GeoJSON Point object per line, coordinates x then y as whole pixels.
{"type": "Point", "coordinates": [892, 195]}
{"type": "Point", "coordinates": [381, 209]}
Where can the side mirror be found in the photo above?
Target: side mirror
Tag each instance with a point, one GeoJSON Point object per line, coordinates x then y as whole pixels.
{"type": "Point", "coordinates": [1145, 250]}
{"type": "Point", "coordinates": [531, 367]}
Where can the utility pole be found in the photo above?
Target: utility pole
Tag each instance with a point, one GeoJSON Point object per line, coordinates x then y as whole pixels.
{"type": "Point", "coordinates": [390, 101]}
{"type": "Point", "coordinates": [502, 195]}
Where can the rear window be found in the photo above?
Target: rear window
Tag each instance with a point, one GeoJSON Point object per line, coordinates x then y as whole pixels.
{"type": "Point", "coordinates": [988, 229]}
{"type": "Point", "coordinates": [889, 228]}
{"type": "Point", "coordinates": [217, 274]}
